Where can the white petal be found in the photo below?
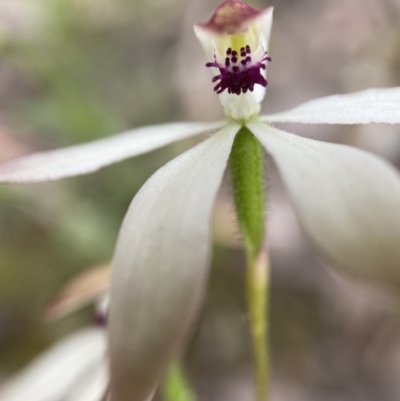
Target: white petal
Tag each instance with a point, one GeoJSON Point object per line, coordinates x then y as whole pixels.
{"type": "Point", "coordinates": [54, 374]}
{"type": "Point", "coordinates": [160, 265]}
{"type": "Point", "coordinates": [348, 201]}
{"type": "Point", "coordinates": [369, 106]}
{"type": "Point", "coordinates": [89, 157]}
{"type": "Point", "coordinates": [92, 387]}
{"type": "Point", "coordinates": [264, 25]}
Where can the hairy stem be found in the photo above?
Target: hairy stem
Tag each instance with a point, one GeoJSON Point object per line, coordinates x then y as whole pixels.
{"type": "Point", "coordinates": [248, 181]}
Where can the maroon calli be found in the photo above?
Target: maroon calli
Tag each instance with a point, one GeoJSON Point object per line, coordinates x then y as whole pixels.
{"type": "Point", "coordinates": [239, 75]}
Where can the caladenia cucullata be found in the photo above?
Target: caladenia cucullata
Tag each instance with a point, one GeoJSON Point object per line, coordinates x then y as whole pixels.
{"type": "Point", "coordinates": [346, 200]}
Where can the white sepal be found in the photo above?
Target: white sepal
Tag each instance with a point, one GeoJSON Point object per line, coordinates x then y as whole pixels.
{"type": "Point", "coordinates": [160, 266]}
{"type": "Point", "coordinates": [89, 157]}
{"type": "Point", "coordinates": [369, 106]}
{"type": "Point", "coordinates": [346, 199]}
{"type": "Point", "coordinates": [71, 368]}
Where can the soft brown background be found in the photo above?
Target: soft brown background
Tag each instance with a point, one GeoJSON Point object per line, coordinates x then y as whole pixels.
{"type": "Point", "coordinates": [75, 70]}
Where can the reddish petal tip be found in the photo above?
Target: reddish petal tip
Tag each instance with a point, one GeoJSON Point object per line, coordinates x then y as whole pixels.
{"type": "Point", "coordinates": [232, 16]}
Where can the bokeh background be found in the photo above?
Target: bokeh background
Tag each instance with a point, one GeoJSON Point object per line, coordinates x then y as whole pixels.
{"type": "Point", "coordinates": [76, 70]}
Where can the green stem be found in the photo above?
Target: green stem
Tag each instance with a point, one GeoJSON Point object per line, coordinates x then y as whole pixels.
{"type": "Point", "coordinates": [248, 181]}
{"type": "Point", "coordinates": [176, 386]}
{"type": "Point", "coordinates": [257, 298]}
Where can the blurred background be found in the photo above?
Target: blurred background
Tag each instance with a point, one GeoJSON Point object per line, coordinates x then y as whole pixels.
{"type": "Point", "coordinates": [75, 70]}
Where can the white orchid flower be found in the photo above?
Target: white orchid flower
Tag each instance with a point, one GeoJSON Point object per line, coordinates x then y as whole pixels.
{"type": "Point", "coordinates": [347, 200]}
